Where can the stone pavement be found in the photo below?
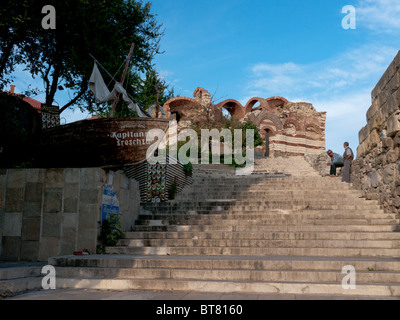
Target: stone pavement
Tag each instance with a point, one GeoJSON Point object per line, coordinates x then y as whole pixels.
{"type": "Point", "coordinates": [90, 294]}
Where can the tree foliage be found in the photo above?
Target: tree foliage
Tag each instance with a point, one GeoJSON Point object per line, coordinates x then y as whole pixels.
{"type": "Point", "coordinates": [60, 57]}
{"type": "Point", "coordinates": [19, 126]}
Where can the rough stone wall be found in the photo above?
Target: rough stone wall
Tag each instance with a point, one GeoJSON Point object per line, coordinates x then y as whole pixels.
{"type": "Point", "coordinates": [377, 168]}
{"type": "Point", "coordinates": [202, 96]}
{"type": "Point", "coordinates": [53, 212]}
{"type": "Point", "coordinates": [319, 162]}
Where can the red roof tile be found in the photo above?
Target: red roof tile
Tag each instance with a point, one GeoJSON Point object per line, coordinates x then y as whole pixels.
{"type": "Point", "coordinates": [37, 105]}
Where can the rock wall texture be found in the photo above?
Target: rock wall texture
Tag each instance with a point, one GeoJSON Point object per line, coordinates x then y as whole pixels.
{"type": "Point", "coordinates": [376, 169]}
{"type": "Point", "coordinates": [319, 162]}
{"type": "Point", "coordinates": [53, 212]}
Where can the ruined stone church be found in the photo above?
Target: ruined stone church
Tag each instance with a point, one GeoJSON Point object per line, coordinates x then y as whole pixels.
{"type": "Point", "coordinates": [287, 128]}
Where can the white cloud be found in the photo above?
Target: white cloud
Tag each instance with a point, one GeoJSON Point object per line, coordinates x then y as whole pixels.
{"type": "Point", "coordinates": [349, 71]}
{"type": "Point", "coordinates": [346, 115]}
{"type": "Point", "coordinates": [165, 74]}
{"type": "Point", "coordinates": [379, 15]}
{"type": "Point", "coordinates": [284, 68]}
{"type": "Point", "coordinates": [340, 85]}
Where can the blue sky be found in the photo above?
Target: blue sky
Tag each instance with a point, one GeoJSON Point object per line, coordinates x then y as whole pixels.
{"type": "Point", "coordinates": [238, 49]}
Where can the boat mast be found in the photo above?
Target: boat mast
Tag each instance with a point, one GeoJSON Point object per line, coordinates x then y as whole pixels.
{"type": "Point", "coordinates": [122, 79]}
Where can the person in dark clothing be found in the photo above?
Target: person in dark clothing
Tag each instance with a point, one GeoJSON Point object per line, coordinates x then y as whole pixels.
{"type": "Point", "coordinates": [336, 162]}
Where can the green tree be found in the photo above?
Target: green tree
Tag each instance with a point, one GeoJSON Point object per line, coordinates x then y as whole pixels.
{"type": "Point", "coordinates": [154, 90]}
{"type": "Point", "coordinates": [258, 141]}
{"type": "Point", "coordinates": [248, 125]}
{"type": "Point", "coordinates": [16, 31]}
{"type": "Point", "coordinates": [105, 29]}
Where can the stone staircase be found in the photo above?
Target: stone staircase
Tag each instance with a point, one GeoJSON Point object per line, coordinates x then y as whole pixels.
{"type": "Point", "coordinates": [283, 229]}
{"type": "Point", "coordinates": [19, 277]}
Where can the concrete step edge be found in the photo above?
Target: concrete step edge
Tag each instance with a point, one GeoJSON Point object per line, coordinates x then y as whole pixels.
{"type": "Point", "coordinates": [392, 290]}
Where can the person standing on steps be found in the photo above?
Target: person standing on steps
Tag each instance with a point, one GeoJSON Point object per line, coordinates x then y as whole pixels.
{"type": "Point", "coordinates": [336, 162]}
{"type": "Point", "coordinates": [348, 157]}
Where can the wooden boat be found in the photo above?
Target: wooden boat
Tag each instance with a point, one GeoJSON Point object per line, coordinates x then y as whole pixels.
{"type": "Point", "coordinates": [106, 143]}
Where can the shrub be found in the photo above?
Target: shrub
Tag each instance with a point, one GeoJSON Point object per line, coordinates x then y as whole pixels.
{"type": "Point", "coordinates": [110, 233]}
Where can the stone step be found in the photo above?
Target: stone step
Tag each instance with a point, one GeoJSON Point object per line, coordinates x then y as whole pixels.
{"type": "Point", "coordinates": [260, 176]}
{"type": "Point", "coordinates": [296, 207]}
{"type": "Point", "coordinates": [229, 211]}
{"type": "Point", "coordinates": [260, 243]}
{"type": "Point", "coordinates": [267, 215]}
{"type": "Point", "coordinates": [262, 200]}
{"type": "Point", "coordinates": [270, 228]}
{"type": "Point", "coordinates": [256, 198]}
{"type": "Point", "coordinates": [266, 235]}
{"type": "Point", "coordinates": [272, 193]}
{"type": "Point", "coordinates": [229, 262]}
{"type": "Point", "coordinates": [326, 276]}
{"type": "Point", "coordinates": [251, 251]}
{"type": "Point", "coordinates": [387, 290]}
{"type": "Point", "coordinates": [270, 184]}
{"type": "Point", "coordinates": [217, 207]}
{"type": "Point", "coordinates": [266, 222]}
{"type": "Point", "coordinates": [267, 190]}
{"type": "Point", "coordinates": [12, 287]}
{"type": "Point", "coordinates": [374, 276]}
{"type": "Point", "coordinates": [16, 278]}
{"type": "Point", "coordinates": [263, 233]}
{"type": "Point", "coordinates": [327, 212]}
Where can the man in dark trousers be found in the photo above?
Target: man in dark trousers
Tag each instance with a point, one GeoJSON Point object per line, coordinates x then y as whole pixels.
{"type": "Point", "coordinates": [348, 157]}
{"type": "Point", "coordinates": [336, 162]}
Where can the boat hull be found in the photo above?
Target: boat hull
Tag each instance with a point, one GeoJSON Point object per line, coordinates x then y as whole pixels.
{"type": "Point", "coordinates": [115, 142]}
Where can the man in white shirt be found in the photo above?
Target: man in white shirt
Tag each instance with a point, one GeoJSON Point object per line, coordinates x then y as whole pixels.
{"type": "Point", "coordinates": [348, 157]}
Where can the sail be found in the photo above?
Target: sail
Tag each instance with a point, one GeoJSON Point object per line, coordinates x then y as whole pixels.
{"type": "Point", "coordinates": [102, 94]}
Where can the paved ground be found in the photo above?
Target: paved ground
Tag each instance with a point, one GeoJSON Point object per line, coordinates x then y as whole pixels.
{"type": "Point", "coordinates": [84, 294]}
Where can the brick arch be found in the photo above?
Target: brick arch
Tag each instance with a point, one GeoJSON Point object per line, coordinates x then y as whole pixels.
{"type": "Point", "coordinates": [250, 104]}
{"type": "Point", "coordinates": [294, 122]}
{"type": "Point", "coordinates": [272, 129]}
{"type": "Point", "coordinates": [314, 125]}
{"type": "Point", "coordinates": [171, 105]}
{"type": "Point", "coordinates": [266, 115]}
{"type": "Point", "coordinates": [234, 107]}
{"type": "Point", "coordinates": [274, 102]}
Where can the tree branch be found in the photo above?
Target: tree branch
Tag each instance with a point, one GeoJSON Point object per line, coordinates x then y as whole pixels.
{"type": "Point", "coordinates": [53, 88]}
{"type": "Point", "coordinates": [45, 77]}
{"type": "Point", "coordinates": [77, 97]}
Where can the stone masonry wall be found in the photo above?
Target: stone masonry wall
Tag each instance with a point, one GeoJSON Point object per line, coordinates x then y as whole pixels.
{"type": "Point", "coordinates": [376, 170]}
{"type": "Point", "coordinates": [53, 212]}
{"type": "Point", "coordinates": [319, 162]}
